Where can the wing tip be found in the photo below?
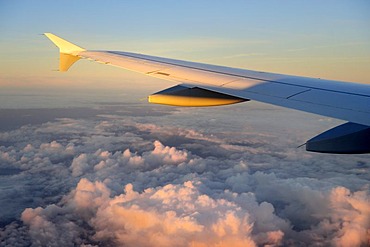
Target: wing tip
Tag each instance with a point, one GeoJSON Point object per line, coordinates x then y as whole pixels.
{"type": "Point", "coordinates": [68, 51]}
{"type": "Point", "coordinates": [64, 45]}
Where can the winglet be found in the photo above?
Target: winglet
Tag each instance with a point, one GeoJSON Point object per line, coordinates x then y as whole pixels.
{"type": "Point", "coordinates": [68, 51]}
{"type": "Point", "coordinates": [63, 45]}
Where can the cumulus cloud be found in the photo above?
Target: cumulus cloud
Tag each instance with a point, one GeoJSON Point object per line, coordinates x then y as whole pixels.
{"type": "Point", "coordinates": [164, 216]}
{"type": "Point", "coordinates": [351, 214]}
{"type": "Point", "coordinates": [181, 215]}
{"type": "Point", "coordinates": [133, 180]}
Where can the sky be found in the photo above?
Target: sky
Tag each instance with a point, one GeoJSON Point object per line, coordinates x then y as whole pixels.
{"type": "Point", "coordinates": [86, 161]}
{"type": "Point", "coordinates": [324, 39]}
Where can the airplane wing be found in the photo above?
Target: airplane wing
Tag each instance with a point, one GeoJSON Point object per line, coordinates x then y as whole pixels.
{"type": "Point", "coordinates": [200, 84]}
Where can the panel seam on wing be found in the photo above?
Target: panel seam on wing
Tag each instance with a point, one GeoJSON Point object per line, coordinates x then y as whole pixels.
{"type": "Point", "coordinates": [297, 93]}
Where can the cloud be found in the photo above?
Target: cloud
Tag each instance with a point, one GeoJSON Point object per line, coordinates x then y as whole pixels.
{"type": "Point", "coordinates": [171, 215]}
{"type": "Point", "coordinates": [351, 213]}
{"type": "Point", "coordinates": [181, 215]}
{"type": "Point", "coordinates": [134, 180]}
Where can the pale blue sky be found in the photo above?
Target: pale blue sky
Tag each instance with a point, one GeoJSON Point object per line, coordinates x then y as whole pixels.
{"type": "Point", "coordinates": [328, 39]}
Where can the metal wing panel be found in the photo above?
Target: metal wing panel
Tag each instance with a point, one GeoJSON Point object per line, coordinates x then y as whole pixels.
{"type": "Point", "coordinates": [356, 103]}
{"type": "Point", "coordinates": [347, 101]}
{"type": "Point", "coordinates": [188, 75]}
{"type": "Point", "coordinates": [167, 69]}
{"type": "Point", "coordinates": [353, 88]}
{"type": "Point", "coordinates": [267, 88]}
{"type": "Point", "coordinates": [330, 110]}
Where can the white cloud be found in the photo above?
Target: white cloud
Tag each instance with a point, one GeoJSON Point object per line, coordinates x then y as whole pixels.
{"type": "Point", "coordinates": [127, 181]}
{"type": "Point", "coordinates": [79, 165]}
{"type": "Point", "coordinates": [171, 215]}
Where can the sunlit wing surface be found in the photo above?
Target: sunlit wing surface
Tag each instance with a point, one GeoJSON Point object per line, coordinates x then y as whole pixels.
{"type": "Point", "coordinates": [210, 85]}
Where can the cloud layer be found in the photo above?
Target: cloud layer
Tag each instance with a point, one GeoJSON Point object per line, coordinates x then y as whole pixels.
{"type": "Point", "coordinates": [127, 179]}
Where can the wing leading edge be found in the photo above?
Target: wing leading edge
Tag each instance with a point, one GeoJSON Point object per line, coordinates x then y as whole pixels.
{"type": "Point", "coordinates": [208, 85]}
